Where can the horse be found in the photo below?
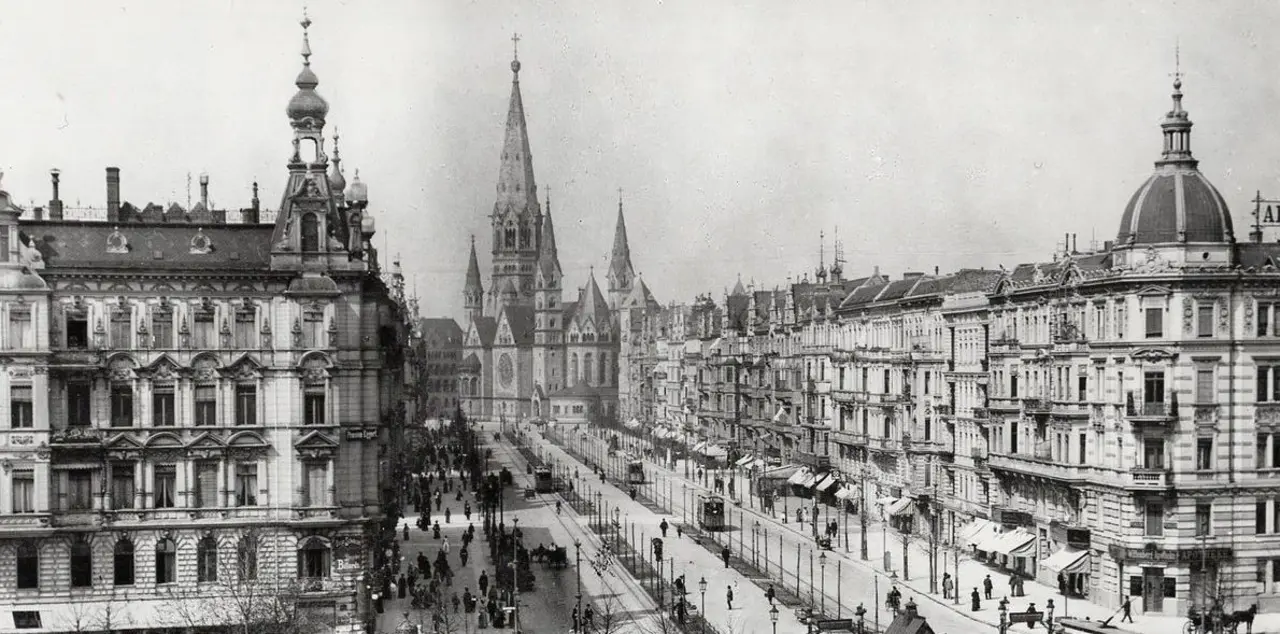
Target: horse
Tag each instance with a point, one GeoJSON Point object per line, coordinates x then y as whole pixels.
{"type": "Point", "coordinates": [1234, 619]}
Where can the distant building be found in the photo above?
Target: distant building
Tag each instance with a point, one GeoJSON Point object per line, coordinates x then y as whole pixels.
{"type": "Point", "coordinates": [442, 350]}
{"type": "Point", "coordinates": [527, 351]}
{"type": "Point", "coordinates": [198, 412]}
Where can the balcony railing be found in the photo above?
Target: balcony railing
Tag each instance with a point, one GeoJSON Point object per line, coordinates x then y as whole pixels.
{"type": "Point", "coordinates": [1151, 478]}
{"type": "Point", "coordinates": [1155, 412]}
{"type": "Point", "coordinates": [978, 453]}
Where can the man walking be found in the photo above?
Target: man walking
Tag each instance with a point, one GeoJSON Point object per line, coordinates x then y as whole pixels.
{"type": "Point", "coordinates": [986, 586]}
{"type": "Point", "coordinates": [1127, 607]}
{"type": "Point", "coordinates": [663, 527]}
{"type": "Point", "coordinates": [729, 596]}
{"type": "Point", "coordinates": [770, 594]}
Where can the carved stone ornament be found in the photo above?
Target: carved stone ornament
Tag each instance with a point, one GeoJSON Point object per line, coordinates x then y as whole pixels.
{"type": "Point", "coordinates": [200, 243]}
{"type": "Point", "coordinates": [121, 371]}
{"type": "Point", "coordinates": [1223, 316]}
{"type": "Point", "coordinates": [313, 375]}
{"type": "Point", "coordinates": [245, 372]}
{"type": "Point", "coordinates": [206, 370]}
{"type": "Point", "coordinates": [297, 333]}
{"type": "Point", "coordinates": [1188, 311]}
{"type": "Point", "coordinates": [163, 372]}
{"type": "Point", "coordinates": [116, 242]}
{"type": "Point", "coordinates": [1248, 316]}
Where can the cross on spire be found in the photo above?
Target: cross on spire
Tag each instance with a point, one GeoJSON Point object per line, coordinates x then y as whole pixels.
{"type": "Point", "coordinates": [515, 46]}
{"type": "Point", "coordinates": [619, 196]}
{"type": "Point", "coordinates": [1177, 62]}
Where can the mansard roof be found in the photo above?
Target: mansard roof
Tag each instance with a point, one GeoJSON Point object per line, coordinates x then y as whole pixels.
{"type": "Point", "coordinates": [70, 244]}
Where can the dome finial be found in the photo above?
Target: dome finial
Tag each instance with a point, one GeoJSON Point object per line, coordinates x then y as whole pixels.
{"type": "Point", "coordinates": [306, 43]}
{"type": "Point", "coordinates": [515, 53]}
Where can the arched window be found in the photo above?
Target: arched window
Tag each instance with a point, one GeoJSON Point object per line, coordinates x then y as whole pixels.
{"type": "Point", "coordinates": [510, 236]}
{"type": "Point", "coordinates": [604, 363]}
{"type": "Point", "coordinates": [313, 559]}
{"type": "Point", "coordinates": [207, 559]}
{"type": "Point", "coordinates": [586, 368]}
{"type": "Point", "coordinates": [524, 234]}
{"type": "Point", "coordinates": [166, 561]}
{"type": "Point", "coordinates": [573, 369]}
{"type": "Point", "coordinates": [122, 560]}
{"type": "Point", "coordinates": [310, 233]}
{"type": "Point", "coordinates": [28, 565]}
{"type": "Point", "coordinates": [81, 563]}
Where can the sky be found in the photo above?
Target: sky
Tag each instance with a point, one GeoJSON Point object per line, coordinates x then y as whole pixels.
{"type": "Point", "coordinates": [928, 134]}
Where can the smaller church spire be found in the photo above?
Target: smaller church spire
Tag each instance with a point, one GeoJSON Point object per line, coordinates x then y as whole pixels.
{"type": "Point", "coordinates": [621, 272]}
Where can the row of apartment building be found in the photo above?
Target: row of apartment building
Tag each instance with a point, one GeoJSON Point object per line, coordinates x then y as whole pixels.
{"type": "Point", "coordinates": [1113, 415]}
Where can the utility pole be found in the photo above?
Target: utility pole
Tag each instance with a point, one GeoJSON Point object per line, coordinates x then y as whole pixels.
{"type": "Point", "coordinates": [862, 510]}
{"type": "Point", "coordinates": [933, 539]}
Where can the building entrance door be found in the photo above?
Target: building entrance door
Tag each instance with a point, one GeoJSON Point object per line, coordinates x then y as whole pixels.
{"type": "Point", "coordinates": [1152, 590]}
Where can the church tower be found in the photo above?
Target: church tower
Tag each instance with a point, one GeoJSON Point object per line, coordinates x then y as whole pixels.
{"type": "Point", "coordinates": [621, 273]}
{"type": "Point", "coordinates": [517, 219]}
{"type": "Point", "coordinates": [473, 291]}
{"type": "Point", "coordinates": [548, 338]}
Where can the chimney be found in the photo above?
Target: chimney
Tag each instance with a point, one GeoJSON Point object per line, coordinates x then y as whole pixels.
{"type": "Point", "coordinates": [935, 270]}
{"type": "Point", "coordinates": [113, 194]}
{"type": "Point", "coordinates": [204, 190]}
{"type": "Point", "coordinates": [37, 213]}
{"type": "Point", "coordinates": [55, 205]}
{"type": "Point", "coordinates": [1074, 243]}
{"type": "Point", "coordinates": [250, 216]}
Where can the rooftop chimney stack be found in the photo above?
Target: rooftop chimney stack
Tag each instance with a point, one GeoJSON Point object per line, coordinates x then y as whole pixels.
{"type": "Point", "coordinates": [113, 194]}
{"type": "Point", "coordinates": [55, 205]}
{"type": "Point", "coordinates": [250, 216]}
{"type": "Point", "coordinates": [204, 190]}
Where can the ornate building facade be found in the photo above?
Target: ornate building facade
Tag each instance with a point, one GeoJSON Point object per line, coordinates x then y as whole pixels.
{"type": "Point", "coordinates": [528, 351]}
{"type": "Point", "coordinates": [198, 409]}
{"type": "Point", "coordinates": [1108, 415]}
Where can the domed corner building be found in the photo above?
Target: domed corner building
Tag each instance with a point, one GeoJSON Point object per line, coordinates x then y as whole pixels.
{"type": "Point", "coordinates": [1154, 394]}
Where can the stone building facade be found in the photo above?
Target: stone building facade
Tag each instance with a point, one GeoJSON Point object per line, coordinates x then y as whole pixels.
{"type": "Point", "coordinates": [197, 404]}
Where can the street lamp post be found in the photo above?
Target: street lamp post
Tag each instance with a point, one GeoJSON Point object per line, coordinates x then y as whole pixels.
{"type": "Point", "coordinates": [702, 587]}
{"type": "Point", "coordinates": [773, 618]}
{"type": "Point", "coordinates": [822, 568]}
{"type": "Point", "coordinates": [755, 541]}
{"type": "Point", "coordinates": [862, 511]}
{"type": "Point", "coordinates": [1004, 615]}
{"type": "Point", "coordinates": [577, 549]}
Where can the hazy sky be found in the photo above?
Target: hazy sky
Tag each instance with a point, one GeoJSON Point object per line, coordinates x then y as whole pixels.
{"type": "Point", "coordinates": [942, 133]}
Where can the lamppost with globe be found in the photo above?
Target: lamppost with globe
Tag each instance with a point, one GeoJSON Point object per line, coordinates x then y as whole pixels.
{"type": "Point", "coordinates": [702, 588]}
{"type": "Point", "coordinates": [773, 618]}
{"type": "Point", "coordinates": [822, 566]}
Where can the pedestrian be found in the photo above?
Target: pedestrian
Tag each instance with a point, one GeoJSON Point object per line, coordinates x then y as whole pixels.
{"type": "Point", "coordinates": [946, 585]}
{"type": "Point", "coordinates": [446, 516]}
{"type": "Point", "coordinates": [402, 586]}
{"type": "Point", "coordinates": [987, 586]}
{"type": "Point", "coordinates": [466, 510]}
{"type": "Point", "coordinates": [462, 555]}
{"type": "Point", "coordinates": [663, 527]}
{"type": "Point", "coordinates": [728, 595]}
{"type": "Point", "coordinates": [406, 532]}
{"type": "Point", "coordinates": [445, 546]}
{"type": "Point", "coordinates": [484, 582]}
{"type": "Point", "coordinates": [724, 554]}
{"type": "Point", "coordinates": [1127, 608]}
{"type": "Point", "coordinates": [679, 531]}
{"type": "Point", "coordinates": [456, 602]}
{"type": "Point", "coordinates": [975, 600]}
{"type": "Point", "coordinates": [1062, 583]}
{"type": "Point", "coordinates": [770, 594]}
{"type": "Point", "coordinates": [468, 601]}
{"type": "Point", "coordinates": [588, 617]}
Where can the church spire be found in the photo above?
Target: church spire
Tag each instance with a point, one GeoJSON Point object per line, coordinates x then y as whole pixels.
{"type": "Point", "coordinates": [517, 192]}
{"type": "Point", "coordinates": [621, 273]}
{"type": "Point", "coordinates": [548, 256]}
{"type": "Point", "coordinates": [473, 291]}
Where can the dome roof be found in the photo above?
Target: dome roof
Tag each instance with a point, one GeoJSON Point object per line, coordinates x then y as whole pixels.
{"type": "Point", "coordinates": [1176, 205]}
{"type": "Point", "coordinates": [307, 102]}
{"type": "Point", "coordinates": [358, 192]}
{"type": "Point", "coordinates": [337, 182]}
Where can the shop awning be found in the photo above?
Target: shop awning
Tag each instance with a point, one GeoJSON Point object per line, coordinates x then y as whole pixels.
{"type": "Point", "coordinates": [785, 472]}
{"type": "Point", "coordinates": [988, 540]}
{"type": "Point", "coordinates": [826, 482]}
{"type": "Point", "coordinates": [698, 447]}
{"type": "Point", "coordinates": [844, 493]}
{"type": "Point", "coordinates": [1015, 543]}
{"type": "Point", "coordinates": [978, 530]}
{"type": "Point", "coordinates": [904, 506]}
{"type": "Point", "coordinates": [1067, 560]}
{"type": "Point", "coordinates": [715, 451]}
{"type": "Point", "coordinates": [744, 460]}
{"type": "Point", "coordinates": [800, 477]}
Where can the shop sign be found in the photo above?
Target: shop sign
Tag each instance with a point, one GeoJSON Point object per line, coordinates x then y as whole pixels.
{"type": "Point", "coordinates": [1013, 519]}
{"type": "Point", "coordinates": [1170, 556]}
{"type": "Point", "coordinates": [362, 433]}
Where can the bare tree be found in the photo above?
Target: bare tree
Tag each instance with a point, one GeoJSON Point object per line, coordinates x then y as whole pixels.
{"type": "Point", "coordinates": [249, 606]}
{"type": "Point", "coordinates": [610, 616]}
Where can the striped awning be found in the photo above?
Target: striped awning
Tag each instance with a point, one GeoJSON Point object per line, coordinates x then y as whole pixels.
{"type": "Point", "coordinates": [845, 492]}
{"type": "Point", "coordinates": [826, 482]}
{"type": "Point", "coordinates": [799, 477]}
{"type": "Point", "coordinates": [1068, 560]}
{"type": "Point", "coordinates": [904, 506]}
{"type": "Point", "coordinates": [1015, 543]}
{"type": "Point", "coordinates": [744, 460]}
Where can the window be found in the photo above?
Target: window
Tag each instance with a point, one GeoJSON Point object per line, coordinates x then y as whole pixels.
{"type": "Point", "coordinates": [1154, 519]}
{"type": "Point", "coordinates": [166, 561]}
{"type": "Point", "coordinates": [22, 335]}
{"type": "Point", "coordinates": [1260, 517]}
{"type": "Point", "coordinates": [122, 485]}
{"type": "Point", "coordinates": [165, 485]}
{"type": "Point", "coordinates": [310, 233]}
{"type": "Point", "coordinates": [313, 329]}
{"type": "Point", "coordinates": [24, 491]}
{"type": "Point", "coordinates": [313, 560]}
{"type": "Point", "coordinates": [1082, 388]}
{"type": "Point", "coordinates": [1204, 513]}
{"type": "Point", "coordinates": [247, 558]}
{"type": "Point", "coordinates": [315, 483]}
{"type": "Point", "coordinates": [1264, 319]}
{"type": "Point", "coordinates": [1155, 322]}
{"type": "Point", "coordinates": [246, 484]}
{"type": "Point", "coordinates": [79, 492]}
{"type": "Point", "coordinates": [313, 406]}
{"type": "Point", "coordinates": [26, 620]}
{"type": "Point", "coordinates": [1153, 387]}
{"type": "Point", "coordinates": [20, 408]}
{"type": "Point", "coordinates": [1084, 440]}
{"type": "Point", "coordinates": [207, 560]}
{"type": "Point", "coordinates": [121, 328]}
{"type": "Point", "coordinates": [207, 484]}
{"type": "Point", "coordinates": [162, 406]}
{"type": "Point", "coordinates": [79, 403]}
{"type": "Point", "coordinates": [246, 404]}
{"type": "Point", "coordinates": [122, 563]}
{"type": "Point", "coordinates": [28, 566]}
{"type": "Point", "coordinates": [1204, 320]}
{"type": "Point", "coordinates": [244, 329]}
{"type": "Point", "coordinates": [1153, 453]}
{"type": "Point", "coordinates": [77, 330]}
{"type": "Point", "coordinates": [1204, 386]}
{"type": "Point", "coordinates": [1267, 455]}
{"type": "Point", "coordinates": [121, 405]}
{"type": "Point", "coordinates": [206, 405]}
{"type": "Point", "coordinates": [1013, 385]}
{"type": "Point", "coordinates": [204, 334]}
{"type": "Point", "coordinates": [1204, 454]}
{"type": "Point", "coordinates": [162, 328]}
{"type": "Point", "coordinates": [81, 563]}
{"type": "Point", "coordinates": [1268, 383]}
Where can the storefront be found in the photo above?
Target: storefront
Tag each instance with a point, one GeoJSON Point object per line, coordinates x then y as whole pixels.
{"type": "Point", "coordinates": [1168, 580]}
{"type": "Point", "coordinates": [1069, 565]}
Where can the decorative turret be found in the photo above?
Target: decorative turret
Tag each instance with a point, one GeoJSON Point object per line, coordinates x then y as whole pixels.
{"type": "Point", "coordinates": [473, 291]}
{"type": "Point", "coordinates": [621, 274]}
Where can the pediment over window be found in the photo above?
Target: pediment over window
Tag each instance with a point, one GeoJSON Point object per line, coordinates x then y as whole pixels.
{"type": "Point", "coordinates": [247, 440]}
{"type": "Point", "coordinates": [123, 442]}
{"type": "Point", "coordinates": [1153, 354]}
{"type": "Point", "coordinates": [205, 367]}
{"type": "Point", "coordinates": [163, 440]}
{"type": "Point", "coordinates": [164, 368]}
{"type": "Point", "coordinates": [1154, 291]}
{"type": "Point", "coordinates": [316, 445]}
{"type": "Point", "coordinates": [121, 367]}
{"type": "Point", "coordinates": [206, 442]}
{"type": "Point", "coordinates": [246, 368]}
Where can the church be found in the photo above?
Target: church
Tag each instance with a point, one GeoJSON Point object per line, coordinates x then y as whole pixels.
{"type": "Point", "coordinates": [529, 351]}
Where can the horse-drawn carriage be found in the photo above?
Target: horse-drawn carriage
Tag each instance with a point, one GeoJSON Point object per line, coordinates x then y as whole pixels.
{"type": "Point", "coordinates": [1216, 621]}
{"type": "Point", "coordinates": [556, 557]}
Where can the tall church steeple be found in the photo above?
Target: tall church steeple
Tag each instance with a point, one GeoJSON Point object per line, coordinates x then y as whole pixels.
{"type": "Point", "coordinates": [621, 273]}
{"type": "Point", "coordinates": [517, 219]}
{"type": "Point", "coordinates": [473, 291]}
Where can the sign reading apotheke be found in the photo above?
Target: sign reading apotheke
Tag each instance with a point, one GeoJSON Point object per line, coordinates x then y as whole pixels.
{"type": "Point", "coordinates": [1170, 556]}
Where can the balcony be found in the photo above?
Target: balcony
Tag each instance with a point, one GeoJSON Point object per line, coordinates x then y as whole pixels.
{"type": "Point", "coordinates": [1036, 406]}
{"type": "Point", "coordinates": [944, 410]}
{"type": "Point", "coordinates": [813, 460]}
{"type": "Point", "coordinates": [1156, 413]}
{"type": "Point", "coordinates": [884, 445]}
{"type": "Point", "coordinates": [1036, 466]}
{"type": "Point", "coordinates": [978, 453]}
{"type": "Point", "coordinates": [1150, 479]}
{"type": "Point", "coordinates": [850, 438]}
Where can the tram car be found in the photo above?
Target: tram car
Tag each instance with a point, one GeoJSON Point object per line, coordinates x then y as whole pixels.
{"type": "Point", "coordinates": [635, 471]}
{"type": "Point", "coordinates": [542, 480]}
{"type": "Point", "coordinates": [711, 512]}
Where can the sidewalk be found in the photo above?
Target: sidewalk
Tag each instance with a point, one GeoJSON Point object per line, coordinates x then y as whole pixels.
{"type": "Point", "coordinates": [970, 574]}
{"type": "Point", "coordinates": [750, 613]}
